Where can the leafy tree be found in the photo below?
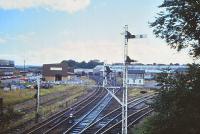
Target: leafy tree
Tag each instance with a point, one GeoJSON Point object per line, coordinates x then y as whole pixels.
{"type": "Point", "coordinates": [177, 107]}
{"type": "Point", "coordinates": [93, 63]}
{"type": "Point", "coordinates": [179, 24]}
{"type": "Point", "coordinates": [83, 64]}
{"type": "Point", "coordinates": [70, 63]}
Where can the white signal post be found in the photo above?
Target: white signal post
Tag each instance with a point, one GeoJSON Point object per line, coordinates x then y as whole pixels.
{"type": "Point", "coordinates": [124, 101]}
{"type": "Point", "coordinates": [125, 84]}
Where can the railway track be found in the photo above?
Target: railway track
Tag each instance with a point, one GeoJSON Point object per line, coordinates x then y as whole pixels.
{"type": "Point", "coordinates": [90, 117]}
{"type": "Point", "coordinates": [93, 116]}
{"type": "Point", "coordinates": [100, 125]}
{"type": "Point", "coordinates": [63, 116]}
{"type": "Point", "coordinates": [133, 118]}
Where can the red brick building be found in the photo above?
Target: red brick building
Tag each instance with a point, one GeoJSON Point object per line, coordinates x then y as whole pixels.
{"type": "Point", "coordinates": [56, 72]}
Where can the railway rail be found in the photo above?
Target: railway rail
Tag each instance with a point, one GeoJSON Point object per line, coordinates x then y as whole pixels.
{"type": "Point", "coordinates": [91, 116]}
{"type": "Point", "coordinates": [132, 119]}
{"type": "Point", "coordinates": [62, 116]}
{"type": "Point", "coordinates": [113, 117]}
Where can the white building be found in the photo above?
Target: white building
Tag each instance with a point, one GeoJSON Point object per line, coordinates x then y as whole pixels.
{"type": "Point", "coordinates": [136, 77]}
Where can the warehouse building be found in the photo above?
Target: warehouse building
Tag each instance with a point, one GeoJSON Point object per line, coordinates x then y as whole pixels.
{"type": "Point", "coordinates": [7, 68]}
{"type": "Point", "coordinates": [56, 72]}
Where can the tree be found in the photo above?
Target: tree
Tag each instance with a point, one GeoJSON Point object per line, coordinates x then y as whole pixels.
{"type": "Point", "coordinates": [91, 64]}
{"type": "Point", "coordinates": [179, 24]}
{"type": "Point", "coordinates": [70, 63]}
{"type": "Point", "coordinates": [177, 107]}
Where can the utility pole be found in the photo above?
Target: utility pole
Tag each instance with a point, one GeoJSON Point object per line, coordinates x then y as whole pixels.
{"type": "Point", "coordinates": [103, 75]}
{"type": "Point", "coordinates": [24, 66]}
{"type": "Point", "coordinates": [37, 99]}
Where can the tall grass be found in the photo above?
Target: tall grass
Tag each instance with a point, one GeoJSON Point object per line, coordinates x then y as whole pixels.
{"type": "Point", "coordinates": [18, 96]}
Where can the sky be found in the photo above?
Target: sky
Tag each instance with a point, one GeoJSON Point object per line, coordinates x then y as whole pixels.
{"type": "Point", "coordinates": [49, 31]}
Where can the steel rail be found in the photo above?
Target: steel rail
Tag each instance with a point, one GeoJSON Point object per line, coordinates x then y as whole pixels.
{"type": "Point", "coordinates": [86, 119]}
{"type": "Point", "coordinates": [67, 118]}
{"type": "Point", "coordinates": [133, 114]}
{"type": "Point", "coordinates": [59, 114]}
{"type": "Point", "coordinates": [106, 117]}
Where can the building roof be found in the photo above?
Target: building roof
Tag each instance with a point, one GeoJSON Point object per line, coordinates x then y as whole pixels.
{"type": "Point", "coordinates": [6, 63]}
{"type": "Point", "coordinates": [82, 70]}
{"type": "Point", "coordinates": [98, 68]}
{"type": "Point", "coordinates": [181, 70]}
{"type": "Point", "coordinates": [136, 71]}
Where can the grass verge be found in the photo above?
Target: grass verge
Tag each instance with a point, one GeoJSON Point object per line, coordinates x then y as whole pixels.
{"type": "Point", "coordinates": [14, 97]}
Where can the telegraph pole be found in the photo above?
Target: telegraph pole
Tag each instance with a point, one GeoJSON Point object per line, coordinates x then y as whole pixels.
{"type": "Point", "coordinates": [38, 94]}
{"type": "Point", "coordinates": [103, 75]}
{"type": "Point", "coordinates": [37, 99]}
{"type": "Point", "coordinates": [24, 66]}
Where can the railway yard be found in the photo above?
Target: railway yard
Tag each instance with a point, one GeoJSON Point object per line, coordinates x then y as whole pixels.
{"type": "Point", "coordinates": [97, 113]}
{"type": "Point", "coordinates": [100, 67]}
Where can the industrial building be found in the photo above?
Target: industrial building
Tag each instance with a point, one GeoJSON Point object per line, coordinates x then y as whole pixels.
{"type": "Point", "coordinates": [83, 71]}
{"type": "Point", "coordinates": [151, 71]}
{"type": "Point", "coordinates": [7, 68]}
{"type": "Point", "coordinates": [56, 72]}
{"type": "Point", "coordinates": [138, 73]}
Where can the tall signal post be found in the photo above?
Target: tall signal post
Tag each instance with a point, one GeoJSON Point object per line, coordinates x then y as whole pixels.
{"type": "Point", "coordinates": [127, 61]}
{"type": "Point", "coordinates": [125, 84]}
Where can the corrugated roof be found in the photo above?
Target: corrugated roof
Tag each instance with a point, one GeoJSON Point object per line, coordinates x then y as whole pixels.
{"type": "Point", "coordinates": [136, 71]}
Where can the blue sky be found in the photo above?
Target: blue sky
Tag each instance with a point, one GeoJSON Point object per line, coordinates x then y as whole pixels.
{"type": "Point", "coordinates": [49, 31]}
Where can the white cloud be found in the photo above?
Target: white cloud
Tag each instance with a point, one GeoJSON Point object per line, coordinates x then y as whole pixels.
{"type": "Point", "coordinates": [152, 51]}
{"type": "Point", "coordinates": [110, 51]}
{"type": "Point", "coordinates": [2, 40]}
{"type": "Point", "coordinates": [60, 5]}
{"type": "Point", "coordinates": [80, 50]}
{"type": "Point", "coordinates": [105, 50]}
